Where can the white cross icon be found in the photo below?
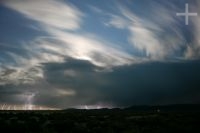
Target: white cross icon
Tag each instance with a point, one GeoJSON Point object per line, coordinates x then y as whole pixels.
{"type": "Point", "coordinates": [187, 14]}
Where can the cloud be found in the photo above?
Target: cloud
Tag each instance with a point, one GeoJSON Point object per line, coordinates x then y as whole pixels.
{"type": "Point", "coordinates": [86, 47]}
{"type": "Point", "coordinates": [55, 17]}
{"type": "Point", "coordinates": [149, 83]}
{"type": "Point", "coordinates": [52, 13]}
{"type": "Point", "coordinates": [148, 33]}
{"type": "Point", "coordinates": [117, 21]}
{"type": "Point", "coordinates": [193, 50]}
{"type": "Point", "coordinates": [96, 9]}
{"type": "Point", "coordinates": [18, 76]}
{"type": "Point", "coordinates": [64, 92]}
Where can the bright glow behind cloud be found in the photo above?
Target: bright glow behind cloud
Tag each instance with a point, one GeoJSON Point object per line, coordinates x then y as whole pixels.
{"type": "Point", "coordinates": [55, 17]}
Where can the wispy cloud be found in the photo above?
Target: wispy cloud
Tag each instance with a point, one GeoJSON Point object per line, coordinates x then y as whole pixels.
{"type": "Point", "coordinates": [193, 50]}
{"type": "Point", "coordinates": [118, 22]}
{"type": "Point", "coordinates": [96, 9]}
{"type": "Point", "coordinates": [17, 76]}
{"type": "Point", "coordinates": [148, 35]}
{"type": "Point", "coordinates": [52, 13]}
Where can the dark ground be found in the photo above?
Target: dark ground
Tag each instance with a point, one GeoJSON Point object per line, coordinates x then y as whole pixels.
{"type": "Point", "coordinates": [100, 121]}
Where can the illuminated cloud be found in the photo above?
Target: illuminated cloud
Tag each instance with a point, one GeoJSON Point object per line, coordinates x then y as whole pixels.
{"type": "Point", "coordinates": [54, 13]}
{"type": "Point", "coordinates": [118, 22]}
{"type": "Point", "coordinates": [64, 92]}
{"type": "Point", "coordinates": [149, 36]}
{"type": "Point", "coordinates": [20, 75]}
{"type": "Point", "coordinates": [85, 47]}
{"type": "Point", "coordinates": [193, 49]}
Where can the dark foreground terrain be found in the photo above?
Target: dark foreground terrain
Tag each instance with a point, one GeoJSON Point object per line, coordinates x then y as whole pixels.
{"type": "Point", "coordinates": [101, 121]}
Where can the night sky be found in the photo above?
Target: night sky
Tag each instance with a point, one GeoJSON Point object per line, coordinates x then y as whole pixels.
{"type": "Point", "coordinates": [60, 54]}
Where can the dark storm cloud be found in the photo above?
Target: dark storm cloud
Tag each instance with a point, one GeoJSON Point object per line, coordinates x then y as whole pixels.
{"type": "Point", "coordinates": [79, 75]}
{"type": "Point", "coordinates": [153, 83]}
{"type": "Point", "coordinates": [12, 94]}
{"type": "Point", "coordinates": [82, 83]}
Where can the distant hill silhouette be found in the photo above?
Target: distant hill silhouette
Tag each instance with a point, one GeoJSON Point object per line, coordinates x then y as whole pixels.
{"type": "Point", "coordinates": [167, 108]}
{"type": "Point", "coordinates": [154, 108]}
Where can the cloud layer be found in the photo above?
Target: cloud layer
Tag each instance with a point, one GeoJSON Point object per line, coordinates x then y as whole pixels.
{"type": "Point", "coordinates": [69, 61]}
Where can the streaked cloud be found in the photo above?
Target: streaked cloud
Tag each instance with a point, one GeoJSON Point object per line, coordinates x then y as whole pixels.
{"type": "Point", "coordinates": [64, 92]}
{"type": "Point", "coordinates": [55, 13]}
{"type": "Point", "coordinates": [68, 44]}
{"type": "Point", "coordinates": [118, 22]}
{"type": "Point", "coordinates": [193, 49]}
{"type": "Point", "coordinates": [149, 36]}
{"type": "Point", "coordinates": [19, 75]}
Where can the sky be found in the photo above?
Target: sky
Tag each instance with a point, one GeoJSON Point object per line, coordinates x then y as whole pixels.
{"type": "Point", "coordinates": [61, 54]}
